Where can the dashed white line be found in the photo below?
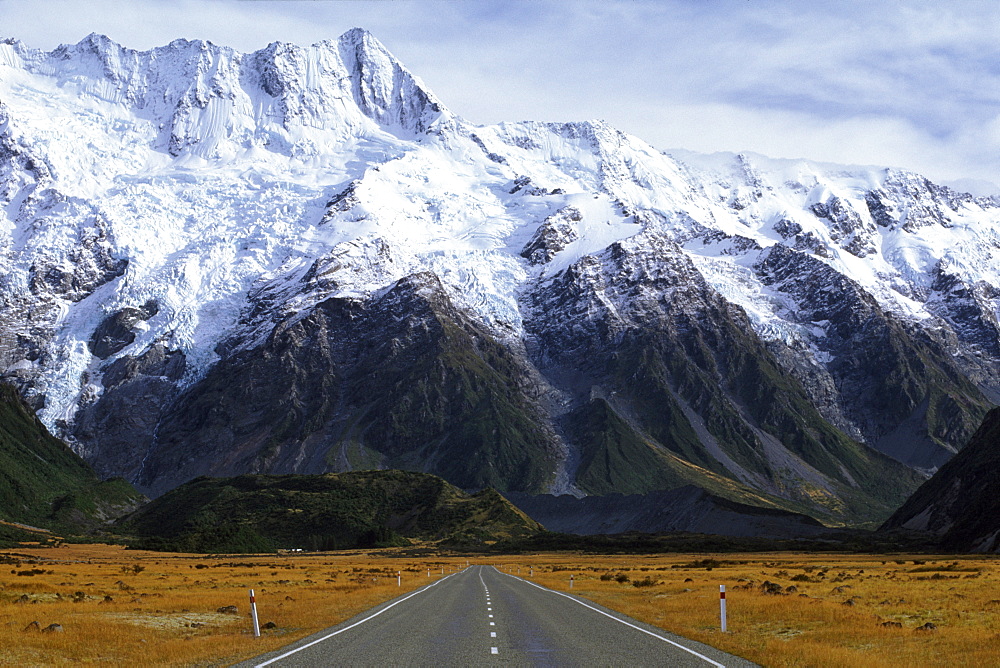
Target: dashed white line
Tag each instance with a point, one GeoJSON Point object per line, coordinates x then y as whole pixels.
{"type": "Point", "coordinates": [620, 621]}
{"type": "Point", "coordinates": [493, 623]}
{"type": "Point", "coordinates": [494, 650]}
{"type": "Point", "coordinates": [493, 634]}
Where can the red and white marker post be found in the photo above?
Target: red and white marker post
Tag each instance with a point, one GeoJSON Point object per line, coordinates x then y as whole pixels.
{"type": "Point", "coordinates": [722, 606]}
{"type": "Point", "coordinates": [399, 578]}
{"type": "Point", "coordinates": [570, 581]}
{"type": "Point", "coordinates": [253, 613]}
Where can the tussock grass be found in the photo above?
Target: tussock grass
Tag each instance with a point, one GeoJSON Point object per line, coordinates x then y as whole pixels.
{"type": "Point", "coordinates": [128, 608]}
{"type": "Point", "coordinates": [843, 610]}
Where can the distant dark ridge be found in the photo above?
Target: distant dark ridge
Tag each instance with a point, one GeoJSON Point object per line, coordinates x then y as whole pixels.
{"type": "Point", "coordinates": [687, 509]}
{"type": "Point", "coordinates": [960, 503]}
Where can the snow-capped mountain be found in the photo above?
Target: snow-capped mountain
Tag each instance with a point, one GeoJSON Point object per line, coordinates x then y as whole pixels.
{"type": "Point", "coordinates": [300, 260]}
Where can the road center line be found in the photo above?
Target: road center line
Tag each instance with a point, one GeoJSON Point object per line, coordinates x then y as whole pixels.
{"type": "Point", "coordinates": [620, 621]}
{"type": "Point", "coordinates": [358, 623]}
{"type": "Point", "coordinates": [494, 650]}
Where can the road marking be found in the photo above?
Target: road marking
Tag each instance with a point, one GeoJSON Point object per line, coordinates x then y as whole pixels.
{"type": "Point", "coordinates": [493, 623]}
{"type": "Point", "coordinates": [490, 616]}
{"type": "Point", "coordinates": [620, 621]}
{"type": "Point", "coordinates": [494, 650]}
{"type": "Point", "coordinates": [489, 609]}
{"type": "Point", "coordinates": [358, 623]}
{"type": "Point", "coordinates": [493, 634]}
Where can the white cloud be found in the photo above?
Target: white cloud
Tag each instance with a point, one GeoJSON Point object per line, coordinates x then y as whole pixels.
{"type": "Point", "coordinates": [913, 84]}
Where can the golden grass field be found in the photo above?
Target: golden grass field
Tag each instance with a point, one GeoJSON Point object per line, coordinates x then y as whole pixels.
{"type": "Point", "coordinates": [128, 608]}
{"type": "Point", "coordinates": [843, 611]}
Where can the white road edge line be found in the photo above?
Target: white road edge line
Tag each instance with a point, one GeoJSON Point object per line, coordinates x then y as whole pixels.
{"type": "Point", "coordinates": [357, 623]}
{"type": "Point", "coordinates": [620, 621]}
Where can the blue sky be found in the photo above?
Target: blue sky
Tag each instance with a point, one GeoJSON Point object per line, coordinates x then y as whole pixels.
{"type": "Point", "coordinates": [904, 83]}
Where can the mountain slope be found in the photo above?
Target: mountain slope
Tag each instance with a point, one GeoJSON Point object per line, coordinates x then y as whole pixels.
{"type": "Point", "coordinates": [639, 325]}
{"type": "Point", "coordinates": [45, 484]}
{"type": "Point", "coordinates": [299, 260]}
{"type": "Point", "coordinates": [959, 503]}
{"type": "Point", "coordinates": [402, 380]}
{"type": "Point", "coordinates": [253, 513]}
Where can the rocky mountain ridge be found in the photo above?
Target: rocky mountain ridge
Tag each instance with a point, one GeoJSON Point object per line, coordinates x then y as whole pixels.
{"type": "Point", "coordinates": [299, 260]}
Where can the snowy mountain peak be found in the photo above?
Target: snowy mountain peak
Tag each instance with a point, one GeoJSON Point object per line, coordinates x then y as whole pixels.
{"type": "Point", "coordinates": [383, 89]}
{"type": "Point", "coordinates": [213, 103]}
{"type": "Point", "coordinates": [164, 212]}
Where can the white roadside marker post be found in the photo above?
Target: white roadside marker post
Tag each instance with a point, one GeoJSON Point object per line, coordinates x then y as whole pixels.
{"type": "Point", "coordinates": [253, 613]}
{"type": "Point", "coordinates": [722, 606]}
{"type": "Point", "coordinates": [399, 579]}
{"type": "Point", "coordinates": [428, 572]}
{"type": "Point", "coordinates": [442, 570]}
{"type": "Point", "coordinates": [531, 571]}
{"type": "Point", "coordinates": [571, 582]}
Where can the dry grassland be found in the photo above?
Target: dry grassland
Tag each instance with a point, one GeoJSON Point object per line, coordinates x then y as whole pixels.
{"type": "Point", "coordinates": [133, 608]}
{"type": "Point", "coordinates": [119, 607]}
{"type": "Point", "coordinates": [832, 610]}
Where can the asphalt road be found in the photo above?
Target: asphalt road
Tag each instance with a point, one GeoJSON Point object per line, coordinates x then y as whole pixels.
{"type": "Point", "coordinates": [481, 617]}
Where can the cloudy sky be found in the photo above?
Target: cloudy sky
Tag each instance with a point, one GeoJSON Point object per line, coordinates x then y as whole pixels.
{"type": "Point", "coordinates": [905, 83]}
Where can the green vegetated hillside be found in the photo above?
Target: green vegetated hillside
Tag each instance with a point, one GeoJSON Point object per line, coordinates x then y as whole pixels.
{"type": "Point", "coordinates": [45, 484]}
{"type": "Point", "coordinates": [745, 400]}
{"type": "Point", "coordinates": [257, 513]}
